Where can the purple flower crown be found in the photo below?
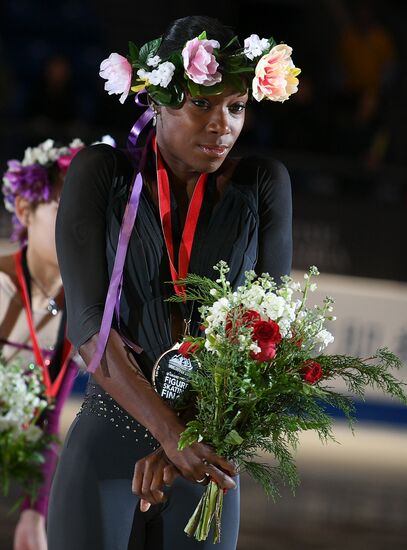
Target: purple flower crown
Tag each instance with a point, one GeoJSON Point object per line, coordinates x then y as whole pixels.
{"type": "Point", "coordinates": [30, 178]}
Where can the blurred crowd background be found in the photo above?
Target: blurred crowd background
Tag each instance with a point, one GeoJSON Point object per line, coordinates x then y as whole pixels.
{"type": "Point", "coordinates": [343, 138]}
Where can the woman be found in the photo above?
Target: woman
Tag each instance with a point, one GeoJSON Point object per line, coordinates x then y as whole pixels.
{"type": "Point", "coordinates": [32, 311]}
{"type": "Point", "coordinates": [242, 211]}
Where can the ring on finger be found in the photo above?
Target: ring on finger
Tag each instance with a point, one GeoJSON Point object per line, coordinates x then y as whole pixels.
{"type": "Point", "coordinates": [202, 480]}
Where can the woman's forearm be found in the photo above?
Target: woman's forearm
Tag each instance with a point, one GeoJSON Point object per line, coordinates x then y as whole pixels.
{"type": "Point", "coordinates": [122, 378]}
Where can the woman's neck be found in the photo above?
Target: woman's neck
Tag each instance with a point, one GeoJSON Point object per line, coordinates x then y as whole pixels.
{"type": "Point", "coordinates": [44, 273]}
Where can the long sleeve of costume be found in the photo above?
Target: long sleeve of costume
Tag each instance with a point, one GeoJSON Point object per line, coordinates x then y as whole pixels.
{"type": "Point", "coordinates": [81, 239]}
{"type": "Point", "coordinates": [51, 427]}
{"type": "Point", "coordinates": [275, 220]}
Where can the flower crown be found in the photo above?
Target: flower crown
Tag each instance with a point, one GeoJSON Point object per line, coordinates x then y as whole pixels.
{"type": "Point", "coordinates": [202, 67]}
{"type": "Point", "coordinates": [30, 178]}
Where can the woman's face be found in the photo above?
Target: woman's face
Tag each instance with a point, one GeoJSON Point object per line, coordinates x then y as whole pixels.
{"type": "Point", "coordinates": [198, 136]}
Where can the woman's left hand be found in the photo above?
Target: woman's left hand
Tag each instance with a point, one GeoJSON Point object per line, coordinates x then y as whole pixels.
{"type": "Point", "coordinates": [30, 532]}
{"type": "Point", "coordinates": [151, 474]}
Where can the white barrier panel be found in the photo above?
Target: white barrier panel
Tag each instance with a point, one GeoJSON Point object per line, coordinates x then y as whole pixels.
{"type": "Point", "coordinates": [370, 313]}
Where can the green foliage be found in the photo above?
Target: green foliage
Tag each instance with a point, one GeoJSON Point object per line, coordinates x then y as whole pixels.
{"type": "Point", "coordinates": [244, 405]}
{"type": "Point", "coordinates": [21, 461]}
{"type": "Point", "coordinates": [149, 50]}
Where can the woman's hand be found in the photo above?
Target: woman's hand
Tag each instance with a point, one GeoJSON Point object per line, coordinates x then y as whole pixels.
{"type": "Point", "coordinates": [151, 474]}
{"type": "Point", "coordinates": [30, 532]}
{"type": "Point", "coordinates": [200, 461]}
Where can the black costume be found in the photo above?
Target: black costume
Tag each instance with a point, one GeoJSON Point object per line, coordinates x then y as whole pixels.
{"type": "Point", "coordinates": [248, 226]}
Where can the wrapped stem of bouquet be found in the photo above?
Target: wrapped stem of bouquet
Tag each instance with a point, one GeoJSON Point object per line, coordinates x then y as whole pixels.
{"type": "Point", "coordinates": [260, 378]}
{"type": "Point", "coordinates": [22, 442]}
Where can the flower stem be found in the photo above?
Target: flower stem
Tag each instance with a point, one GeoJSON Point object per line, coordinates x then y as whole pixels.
{"type": "Point", "coordinates": [209, 507]}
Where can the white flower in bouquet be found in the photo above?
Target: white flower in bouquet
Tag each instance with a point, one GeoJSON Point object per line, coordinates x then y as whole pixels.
{"type": "Point", "coordinates": [22, 400]}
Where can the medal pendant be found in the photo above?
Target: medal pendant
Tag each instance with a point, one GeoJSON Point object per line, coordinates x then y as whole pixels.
{"type": "Point", "coordinates": [52, 307]}
{"type": "Point", "coordinates": [171, 374]}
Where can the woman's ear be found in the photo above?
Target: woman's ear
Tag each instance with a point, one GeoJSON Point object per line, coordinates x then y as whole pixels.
{"type": "Point", "coordinates": [22, 210]}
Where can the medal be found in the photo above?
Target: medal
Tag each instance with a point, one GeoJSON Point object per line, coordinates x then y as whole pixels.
{"type": "Point", "coordinates": [172, 370]}
{"type": "Point", "coordinates": [171, 376]}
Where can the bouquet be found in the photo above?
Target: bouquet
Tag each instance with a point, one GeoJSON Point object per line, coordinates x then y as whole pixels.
{"type": "Point", "coordinates": [22, 442]}
{"type": "Point", "coordinates": [261, 378]}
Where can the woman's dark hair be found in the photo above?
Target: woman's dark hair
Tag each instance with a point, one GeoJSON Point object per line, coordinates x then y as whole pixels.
{"type": "Point", "coordinates": [187, 28]}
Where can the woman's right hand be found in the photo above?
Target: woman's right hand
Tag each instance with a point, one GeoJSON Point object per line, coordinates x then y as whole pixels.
{"type": "Point", "coordinates": [200, 461]}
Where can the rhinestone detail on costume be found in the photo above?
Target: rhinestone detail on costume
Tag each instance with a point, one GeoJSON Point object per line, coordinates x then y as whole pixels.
{"type": "Point", "coordinates": [104, 406]}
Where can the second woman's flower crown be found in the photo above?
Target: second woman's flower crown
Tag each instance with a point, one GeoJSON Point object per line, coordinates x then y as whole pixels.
{"type": "Point", "coordinates": [202, 67]}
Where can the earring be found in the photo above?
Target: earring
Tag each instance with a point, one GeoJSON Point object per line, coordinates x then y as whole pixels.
{"type": "Point", "coordinates": [154, 116]}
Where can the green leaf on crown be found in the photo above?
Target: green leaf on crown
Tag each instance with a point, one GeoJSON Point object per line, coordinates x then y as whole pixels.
{"type": "Point", "coordinates": [178, 94]}
{"type": "Point", "coordinates": [202, 36]}
{"type": "Point", "coordinates": [194, 88]}
{"type": "Point", "coordinates": [160, 95]}
{"type": "Point", "coordinates": [234, 39]}
{"type": "Point", "coordinates": [149, 50]}
{"type": "Point", "coordinates": [216, 89]}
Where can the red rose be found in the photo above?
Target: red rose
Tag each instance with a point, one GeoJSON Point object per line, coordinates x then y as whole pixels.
{"type": "Point", "coordinates": [186, 348]}
{"type": "Point", "coordinates": [250, 317]}
{"type": "Point", "coordinates": [244, 317]}
{"type": "Point", "coordinates": [311, 371]}
{"type": "Point", "coordinates": [267, 351]}
{"type": "Point", "coordinates": [266, 331]}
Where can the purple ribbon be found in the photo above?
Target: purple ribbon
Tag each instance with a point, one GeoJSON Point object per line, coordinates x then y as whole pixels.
{"type": "Point", "coordinates": [129, 217]}
{"type": "Point", "coordinates": [139, 124]}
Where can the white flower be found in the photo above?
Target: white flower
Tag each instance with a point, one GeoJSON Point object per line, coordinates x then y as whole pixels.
{"type": "Point", "coordinates": [153, 61]}
{"type": "Point", "coordinates": [32, 434]}
{"type": "Point", "coordinates": [108, 140]}
{"type": "Point", "coordinates": [323, 338]}
{"type": "Point", "coordinates": [46, 152]}
{"type": "Point", "coordinates": [295, 286]}
{"type": "Point", "coordinates": [254, 348]}
{"type": "Point", "coordinates": [274, 306]}
{"type": "Point", "coordinates": [254, 46]}
{"type": "Point", "coordinates": [161, 76]}
{"type": "Point", "coordinates": [76, 143]}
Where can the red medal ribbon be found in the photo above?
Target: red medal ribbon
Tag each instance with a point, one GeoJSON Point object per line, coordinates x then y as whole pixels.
{"type": "Point", "coordinates": [51, 388]}
{"type": "Point", "coordinates": [188, 233]}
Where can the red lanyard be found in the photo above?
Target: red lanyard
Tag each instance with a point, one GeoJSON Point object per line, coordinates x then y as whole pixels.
{"type": "Point", "coordinates": [51, 388]}
{"type": "Point", "coordinates": [188, 233]}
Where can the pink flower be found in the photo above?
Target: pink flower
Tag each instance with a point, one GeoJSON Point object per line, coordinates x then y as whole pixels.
{"type": "Point", "coordinates": [65, 160]}
{"type": "Point", "coordinates": [117, 71]}
{"type": "Point", "coordinates": [199, 62]}
{"type": "Point", "coordinates": [275, 75]}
